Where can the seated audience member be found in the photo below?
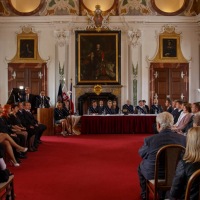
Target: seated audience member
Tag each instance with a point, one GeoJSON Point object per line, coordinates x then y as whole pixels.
{"type": "Point", "coordinates": [108, 109]}
{"type": "Point", "coordinates": [177, 111]}
{"type": "Point", "coordinates": [93, 109]}
{"type": "Point", "coordinates": [115, 107]}
{"type": "Point", "coordinates": [15, 121]}
{"type": "Point", "coordinates": [32, 131]}
{"type": "Point", "coordinates": [128, 108]}
{"type": "Point", "coordinates": [60, 118]}
{"type": "Point", "coordinates": [101, 107]}
{"type": "Point", "coordinates": [29, 117]}
{"type": "Point", "coordinates": [187, 166]}
{"type": "Point", "coordinates": [19, 131]}
{"type": "Point", "coordinates": [174, 104]}
{"type": "Point", "coordinates": [195, 111]}
{"type": "Point", "coordinates": [183, 119]}
{"type": "Point", "coordinates": [5, 127]}
{"type": "Point", "coordinates": [8, 142]}
{"type": "Point", "coordinates": [146, 106]}
{"type": "Point", "coordinates": [42, 101]}
{"type": "Point", "coordinates": [151, 146]}
{"type": "Point", "coordinates": [196, 120]}
{"type": "Point", "coordinates": [168, 105]}
{"type": "Point", "coordinates": [140, 109]}
{"type": "Point", "coordinates": [73, 120]}
{"type": "Point", "coordinates": [156, 108]}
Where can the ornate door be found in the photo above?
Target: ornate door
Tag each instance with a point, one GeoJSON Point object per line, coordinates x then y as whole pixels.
{"type": "Point", "coordinates": [31, 75]}
{"type": "Point", "coordinates": [169, 80]}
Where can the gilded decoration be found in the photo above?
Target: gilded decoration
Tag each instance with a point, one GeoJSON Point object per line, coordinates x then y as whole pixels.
{"type": "Point", "coordinates": [169, 49]}
{"type": "Point", "coordinates": [74, 7]}
{"type": "Point", "coordinates": [61, 7]}
{"type": "Point", "coordinates": [97, 89]}
{"type": "Point", "coordinates": [135, 7]}
{"type": "Point", "coordinates": [27, 47]}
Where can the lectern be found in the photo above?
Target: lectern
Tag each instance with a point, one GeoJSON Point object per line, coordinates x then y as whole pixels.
{"type": "Point", "coordinates": [45, 116]}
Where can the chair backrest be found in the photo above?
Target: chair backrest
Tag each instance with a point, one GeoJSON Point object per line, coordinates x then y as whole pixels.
{"type": "Point", "coordinates": [191, 180]}
{"type": "Point", "coordinates": [170, 155]}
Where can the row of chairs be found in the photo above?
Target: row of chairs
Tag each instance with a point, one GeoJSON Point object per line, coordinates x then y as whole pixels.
{"type": "Point", "coordinates": [172, 154]}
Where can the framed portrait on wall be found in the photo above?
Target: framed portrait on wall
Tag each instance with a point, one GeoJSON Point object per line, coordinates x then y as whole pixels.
{"type": "Point", "coordinates": [98, 57]}
{"type": "Point", "coordinates": [169, 47]}
{"type": "Point", "coordinates": [27, 47]}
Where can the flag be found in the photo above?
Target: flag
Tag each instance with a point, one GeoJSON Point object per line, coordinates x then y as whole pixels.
{"type": "Point", "coordinates": [60, 96]}
{"type": "Point", "coordinates": [65, 93]}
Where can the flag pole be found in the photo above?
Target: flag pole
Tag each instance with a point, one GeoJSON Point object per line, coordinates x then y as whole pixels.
{"type": "Point", "coordinates": [70, 106]}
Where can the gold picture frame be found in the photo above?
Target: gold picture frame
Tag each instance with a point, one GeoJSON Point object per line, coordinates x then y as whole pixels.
{"type": "Point", "coordinates": [98, 57]}
{"type": "Point", "coordinates": [27, 46]}
{"type": "Point", "coordinates": [169, 47]}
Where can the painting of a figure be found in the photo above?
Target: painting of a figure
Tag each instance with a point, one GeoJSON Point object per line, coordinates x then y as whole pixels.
{"type": "Point", "coordinates": [169, 47]}
{"type": "Point", "coordinates": [98, 59]}
{"type": "Point", "coordinates": [27, 48]}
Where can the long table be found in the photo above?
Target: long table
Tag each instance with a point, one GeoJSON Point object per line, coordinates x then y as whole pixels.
{"type": "Point", "coordinates": [117, 124]}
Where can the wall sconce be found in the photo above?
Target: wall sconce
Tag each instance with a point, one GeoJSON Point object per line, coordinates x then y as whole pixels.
{"type": "Point", "coordinates": [40, 75]}
{"type": "Point", "coordinates": [14, 75]}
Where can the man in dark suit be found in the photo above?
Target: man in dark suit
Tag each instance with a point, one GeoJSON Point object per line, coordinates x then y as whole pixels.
{"type": "Point", "coordinates": [177, 111]}
{"type": "Point", "coordinates": [93, 109]}
{"type": "Point", "coordinates": [151, 146]}
{"type": "Point", "coordinates": [128, 108]}
{"type": "Point", "coordinates": [42, 101]}
{"type": "Point", "coordinates": [156, 108]}
{"type": "Point", "coordinates": [29, 117]}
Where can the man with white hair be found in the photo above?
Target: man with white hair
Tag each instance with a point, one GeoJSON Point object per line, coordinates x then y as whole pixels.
{"type": "Point", "coordinates": [152, 144]}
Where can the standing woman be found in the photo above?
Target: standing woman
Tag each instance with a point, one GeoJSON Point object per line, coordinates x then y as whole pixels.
{"type": "Point", "coordinates": [60, 118]}
{"type": "Point", "coordinates": [187, 166]}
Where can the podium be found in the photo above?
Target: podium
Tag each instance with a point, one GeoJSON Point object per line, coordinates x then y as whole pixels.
{"type": "Point", "coordinates": [46, 117]}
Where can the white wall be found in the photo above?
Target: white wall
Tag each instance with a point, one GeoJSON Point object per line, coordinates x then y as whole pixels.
{"type": "Point", "coordinates": [150, 27]}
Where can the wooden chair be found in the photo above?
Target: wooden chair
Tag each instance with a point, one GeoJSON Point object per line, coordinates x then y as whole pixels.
{"type": "Point", "coordinates": [170, 155]}
{"type": "Point", "coordinates": [191, 180]}
{"type": "Point", "coordinates": [7, 188]}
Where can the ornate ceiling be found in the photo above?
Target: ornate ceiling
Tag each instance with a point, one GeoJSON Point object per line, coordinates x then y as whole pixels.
{"type": "Point", "coordinates": [115, 7]}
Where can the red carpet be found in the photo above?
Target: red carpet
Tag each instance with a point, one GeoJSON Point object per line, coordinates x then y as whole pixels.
{"type": "Point", "coordinates": [86, 167]}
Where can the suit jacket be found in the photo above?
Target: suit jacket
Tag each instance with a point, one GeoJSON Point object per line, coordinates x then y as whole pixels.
{"type": "Point", "coordinates": [30, 118]}
{"type": "Point", "coordinates": [151, 146]}
{"type": "Point", "coordinates": [176, 113]}
{"type": "Point", "coordinates": [156, 109]}
{"type": "Point", "coordinates": [183, 172]}
{"type": "Point", "coordinates": [42, 102]}
{"type": "Point", "coordinates": [129, 108]}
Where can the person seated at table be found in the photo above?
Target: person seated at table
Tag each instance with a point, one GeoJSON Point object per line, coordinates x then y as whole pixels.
{"type": "Point", "coordinates": [146, 106]}
{"type": "Point", "coordinates": [101, 107]}
{"type": "Point", "coordinates": [93, 109]}
{"type": "Point", "coordinates": [128, 108]}
{"type": "Point", "coordinates": [187, 166]}
{"type": "Point", "coordinates": [183, 119]}
{"type": "Point", "coordinates": [140, 108]}
{"type": "Point", "coordinates": [115, 107]}
{"type": "Point", "coordinates": [156, 108]}
{"type": "Point", "coordinates": [168, 104]}
{"type": "Point", "coordinates": [60, 118]}
{"type": "Point", "coordinates": [68, 107]}
{"type": "Point", "coordinates": [108, 109]}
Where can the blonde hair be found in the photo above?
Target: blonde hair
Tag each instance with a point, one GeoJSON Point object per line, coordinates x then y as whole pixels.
{"type": "Point", "coordinates": [192, 152]}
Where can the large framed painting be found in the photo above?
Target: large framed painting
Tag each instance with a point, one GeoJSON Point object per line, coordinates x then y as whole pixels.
{"type": "Point", "coordinates": [98, 57]}
{"type": "Point", "coordinates": [27, 49]}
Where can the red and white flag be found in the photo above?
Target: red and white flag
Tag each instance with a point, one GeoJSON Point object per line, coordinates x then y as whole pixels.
{"type": "Point", "coordinates": [65, 93]}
